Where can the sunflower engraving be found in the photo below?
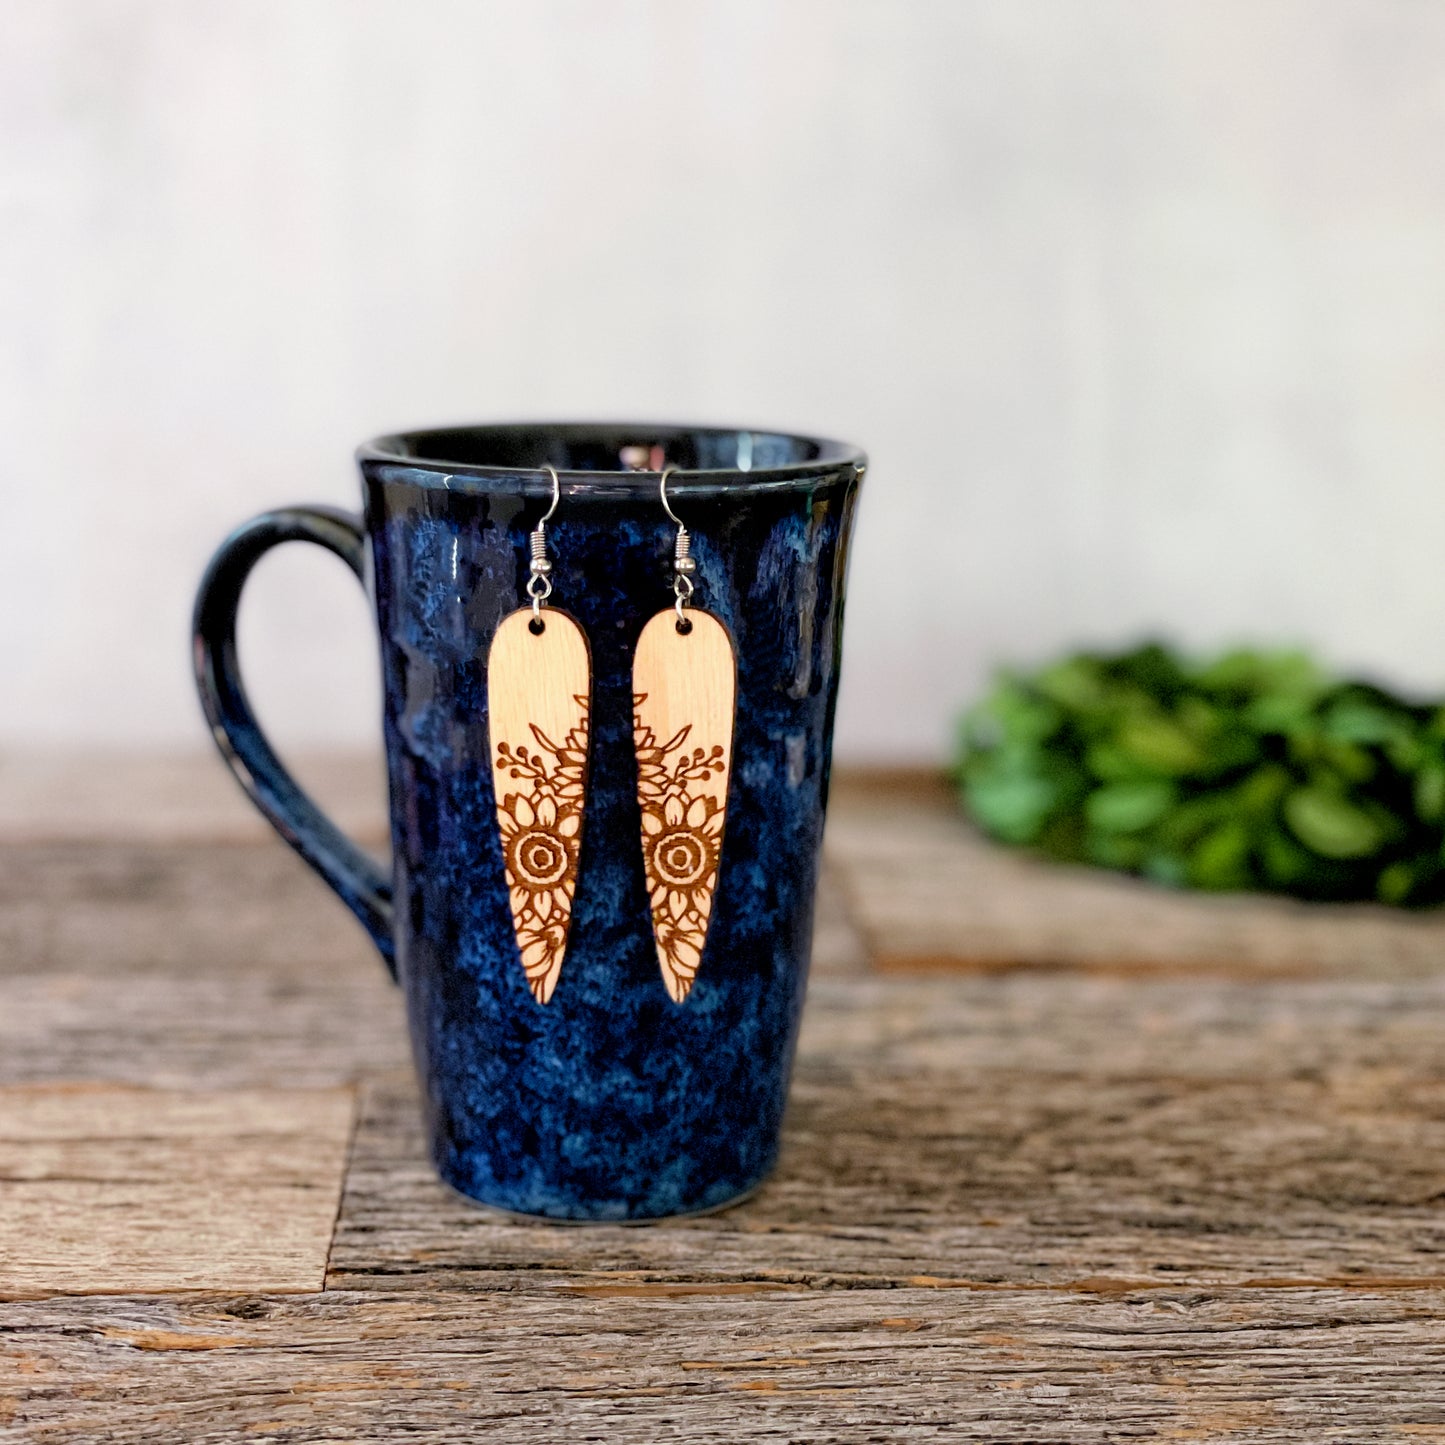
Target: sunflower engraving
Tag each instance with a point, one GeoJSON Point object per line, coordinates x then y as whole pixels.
{"type": "Point", "coordinates": [682, 827]}
{"type": "Point", "coordinates": [541, 826]}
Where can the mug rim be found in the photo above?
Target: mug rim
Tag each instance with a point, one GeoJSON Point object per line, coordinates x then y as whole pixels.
{"type": "Point", "coordinates": [421, 452]}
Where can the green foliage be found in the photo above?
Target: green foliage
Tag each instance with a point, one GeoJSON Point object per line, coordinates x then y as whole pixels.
{"type": "Point", "coordinates": [1254, 770]}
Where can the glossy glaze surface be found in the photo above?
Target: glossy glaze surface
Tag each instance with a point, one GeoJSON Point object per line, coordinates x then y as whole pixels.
{"type": "Point", "coordinates": [610, 1102]}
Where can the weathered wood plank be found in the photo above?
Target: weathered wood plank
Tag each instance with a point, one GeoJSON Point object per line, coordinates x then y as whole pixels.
{"type": "Point", "coordinates": [1191, 1193]}
{"type": "Point", "coordinates": [1067, 1023]}
{"type": "Point", "coordinates": [838, 948]}
{"type": "Point", "coordinates": [179, 908]}
{"type": "Point", "coordinates": [185, 794]}
{"type": "Point", "coordinates": [106, 1190]}
{"type": "Point", "coordinates": [188, 795]}
{"type": "Point", "coordinates": [228, 964]}
{"type": "Point", "coordinates": [296, 1026]}
{"type": "Point", "coordinates": [305, 1027]}
{"type": "Point", "coordinates": [215, 964]}
{"type": "Point", "coordinates": [1089, 1182]}
{"type": "Point", "coordinates": [929, 893]}
{"type": "Point", "coordinates": [192, 908]}
{"type": "Point", "coordinates": [856, 1365]}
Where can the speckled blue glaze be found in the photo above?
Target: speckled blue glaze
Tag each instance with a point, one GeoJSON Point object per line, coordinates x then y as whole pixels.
{"type": "Point", "coordinates": [611, 1102]}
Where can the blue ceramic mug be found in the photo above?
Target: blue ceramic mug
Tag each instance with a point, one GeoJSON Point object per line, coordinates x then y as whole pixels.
{"type": "Point", "coordinates": [611, 1102]}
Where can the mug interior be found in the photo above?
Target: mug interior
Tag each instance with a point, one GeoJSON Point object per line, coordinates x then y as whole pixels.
{"type": "Point", "coordinates": [610, 447]}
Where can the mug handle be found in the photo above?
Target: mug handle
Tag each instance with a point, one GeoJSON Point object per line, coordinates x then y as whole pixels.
{"type": "Point", "coordinates": [359, 882]}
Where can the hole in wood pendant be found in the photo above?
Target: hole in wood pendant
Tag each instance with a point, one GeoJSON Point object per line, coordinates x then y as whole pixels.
{"type": "Point", "coordinates": [684, 686]}
{"type": "Point", "coordinates": [539, 702]}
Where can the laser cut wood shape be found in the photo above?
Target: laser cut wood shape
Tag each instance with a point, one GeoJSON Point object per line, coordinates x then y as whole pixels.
{"type": "Point", "coordinates": [539, 700]}
{"type": "Point", "coordinates": [684, 689]}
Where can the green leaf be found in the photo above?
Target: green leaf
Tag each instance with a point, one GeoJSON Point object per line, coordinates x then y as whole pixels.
{"type": "Point", "coordinates": [1012, 711]}
{"type": "Point", "coordinates": [1116, 850]}
{"type": "Point", "coordinates": [1329, 825]}
{"type": "Point", "coordinates": [1351, 720]}
{"type": "Point", "coordinates": [1395, 883]}
{"type": "Point", "coordinates": [1183, 825]}
{"type": "Point", "coordinates": [1077, 683]}
{"type": "Point", "coordinates": [1263, 672]}
{"type": "Point", "coordinates": [1430, 792]}
{"type": "Point", "coordinates": [1285, 863]}
{"type": "Point", "coordinates": [1307, 745]}
{"type": "Point", "coordinates": [1107, 760]}
{"type": "Point", "coordinates": [1127, 807]}
{"type": "Point", "coordinates": [1281, 714]}
{"type": "Point", "coordinates": [1262, 790]}
{"type": "Point", "coordinates": [1352, 763]}
{"type": "Point", "coordinates": [1229, 750]}
{"type": "Point", "coordinates": [1152, 669]}
{"type": "Point", "coordinates": [1160, 745]}
{"type": "Point", "coordinates": [1012, 806]}
{"type": "Point", "coordinates": [1407, 752]}
{"type": "Point", "coordinates": [986, 726]}
{"type": "Point", "coordinates": [1220, 859]}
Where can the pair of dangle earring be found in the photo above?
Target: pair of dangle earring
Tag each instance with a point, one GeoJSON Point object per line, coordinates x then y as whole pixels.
{"type": "Point", "coordinates": [539, 695]}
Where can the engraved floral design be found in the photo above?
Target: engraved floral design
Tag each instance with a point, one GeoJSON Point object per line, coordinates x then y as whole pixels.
{"type": "Point", "coordinates": [682, 826]}
{"type": "Point", "coordinates": [541, 827]}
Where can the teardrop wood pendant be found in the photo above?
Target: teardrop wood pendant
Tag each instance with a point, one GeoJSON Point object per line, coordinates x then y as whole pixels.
{"type": "Point", "coordinates": [539, 703]}
{"type": "Point", "coordinates": [684, 687]}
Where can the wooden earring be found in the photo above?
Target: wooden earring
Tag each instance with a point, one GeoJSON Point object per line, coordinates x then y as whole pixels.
{"type": "Point", "coordinates": [684, 687]}
{"type": "Point", "coordinates": [539, 703]}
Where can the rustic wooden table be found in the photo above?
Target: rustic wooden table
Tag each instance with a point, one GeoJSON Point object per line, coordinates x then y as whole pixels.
{"type": "Point", "coordinates": [1067, 1159]}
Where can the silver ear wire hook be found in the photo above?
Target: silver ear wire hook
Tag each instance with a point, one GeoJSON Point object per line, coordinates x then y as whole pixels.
{"type": "Point", "coordinates": [539, 584]}
{"type": "Point", "coordinates": [666, 473]}
{"type": "Point", "coordinates": [684, 564]}
{"type": "Point", "coordinates": [556, 492]}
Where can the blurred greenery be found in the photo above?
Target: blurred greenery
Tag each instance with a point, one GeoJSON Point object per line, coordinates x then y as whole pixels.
{"type": "Point", "coordinates": [1254, 770]}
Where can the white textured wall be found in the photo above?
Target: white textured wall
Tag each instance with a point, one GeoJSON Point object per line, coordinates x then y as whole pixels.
{"type": "Point", "coordinates": [1138, 304]}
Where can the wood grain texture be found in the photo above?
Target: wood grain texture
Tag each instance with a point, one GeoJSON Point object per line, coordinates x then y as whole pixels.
{"type": "Point", "coordinates": [1278, 1368]}
{"type": "Point", "coordinates": [684, 686]}
{"type": "Point", "coordinates": [112, 907]}
{"type": "Point", "coordinates": [211, 966]}
{"type": "Point", "coordinates": [228, 966]}
{"type": "Point", "coordinates": [257, 1029]}
{"type": "Point", "coordinates": [60, 796]}
{"type": "Point", "coordinates": [106, 1189]}
{"type": "Point", "coordinates": [539, 705]}
{"type": "Point", "coordinates": [991, 1180]}
{"type": "Point", "coordinates": [1032, 1195]}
